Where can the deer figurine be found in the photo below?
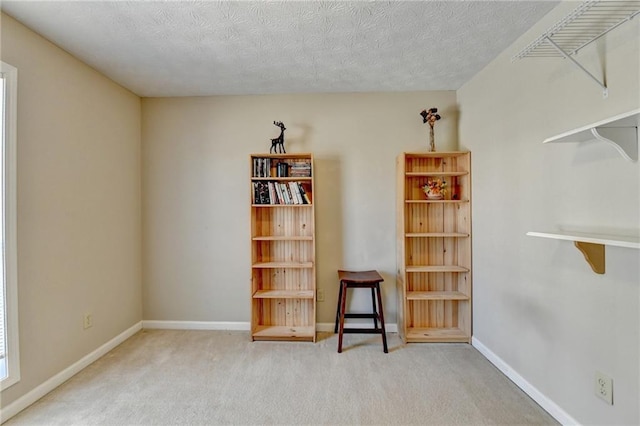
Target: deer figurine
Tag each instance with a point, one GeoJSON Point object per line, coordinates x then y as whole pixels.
{"type": "Point", "coordinates": [277, 144]}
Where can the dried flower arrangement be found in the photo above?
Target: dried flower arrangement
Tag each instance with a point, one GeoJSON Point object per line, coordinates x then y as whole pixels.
{"type": "Point", "coordinates": [431, 116]}
{"type": "Point", "coordinates": [435, 189]}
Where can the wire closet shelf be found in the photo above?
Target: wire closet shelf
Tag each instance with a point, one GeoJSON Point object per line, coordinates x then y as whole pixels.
{"type": "Point", "coordinates": [585, 24]}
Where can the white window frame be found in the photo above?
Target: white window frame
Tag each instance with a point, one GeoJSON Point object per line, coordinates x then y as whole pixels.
{"type": "Point", "coordinates": [10, 74]}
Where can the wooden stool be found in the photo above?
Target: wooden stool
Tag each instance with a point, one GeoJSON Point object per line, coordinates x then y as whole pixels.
{"type": "Point", "coordinates": [362, 279]}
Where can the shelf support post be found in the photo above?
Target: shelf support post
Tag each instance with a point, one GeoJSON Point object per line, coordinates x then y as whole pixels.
{"type": "Point", "coordinates": [605, 91]}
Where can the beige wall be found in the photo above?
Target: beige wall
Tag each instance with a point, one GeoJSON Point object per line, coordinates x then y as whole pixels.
{"type": "Point", "coordinates": [78, 206]}
{"type": "Point", "coordinates": [196, 236]}
{"type": "Point", "coordinates": [537, 304]}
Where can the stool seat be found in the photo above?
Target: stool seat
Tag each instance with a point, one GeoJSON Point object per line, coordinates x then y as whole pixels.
{"type": "Point", "coordinates": [360, 276]}
{"type": "Point", "coordinates": [360, 279]}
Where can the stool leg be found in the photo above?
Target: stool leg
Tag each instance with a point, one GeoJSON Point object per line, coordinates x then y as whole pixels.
{"type": "Point", "coordinates": [384, 333]}
{"type": "Point", "coordinates": [375, 312]}
{"type": "Point", "coordinates": [343, 302]}
{"type": "Point", "coordinates": [335, 329]}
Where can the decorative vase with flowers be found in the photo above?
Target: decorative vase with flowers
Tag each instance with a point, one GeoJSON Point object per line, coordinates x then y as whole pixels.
{"type": "Point", "coordinates": [431, 116]}
{"type": "Point", "coordinates": [435, 189]}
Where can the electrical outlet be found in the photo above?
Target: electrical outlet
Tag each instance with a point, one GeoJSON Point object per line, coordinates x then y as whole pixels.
{"type": "Point", "coordinates": [320, 295]}
{"type": "Point", "coordinates": [87, 321]}
{"type": "Point", "coordinates": [604, 387]}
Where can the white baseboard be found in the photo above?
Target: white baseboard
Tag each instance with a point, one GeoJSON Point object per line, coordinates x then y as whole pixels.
{"type": "Point", "coordinates": [237, 326]}
{"type": "Point", "coordinates": [55, 381]}
{"type": "Point", "coordinates": [547, 404]}
{"type": "Point", "coordinates": [196, 325]}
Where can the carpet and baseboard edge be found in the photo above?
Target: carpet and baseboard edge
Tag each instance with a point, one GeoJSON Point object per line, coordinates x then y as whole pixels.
{"type": "Point", "coordinates": [541, 399]}
{"type": "Point", "coordinates": [41, 390]}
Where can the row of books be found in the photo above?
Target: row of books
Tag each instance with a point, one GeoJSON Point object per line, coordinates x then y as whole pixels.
{"type": "Point", "coordinates": [262, 167]}
{"type": "Point", "coordinates": [275, 167]}
{"type": "Point", "coordinates": [279, 193]}
{"type": "Point", "coordinates": [300, 168]}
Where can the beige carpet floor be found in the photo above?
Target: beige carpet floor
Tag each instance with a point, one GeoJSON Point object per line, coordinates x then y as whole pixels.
{"type": "Point", "coordinates": [175, 377]}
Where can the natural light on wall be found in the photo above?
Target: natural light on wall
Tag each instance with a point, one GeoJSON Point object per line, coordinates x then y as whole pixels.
{"type": "Point", "coordinates": [9, 354]}
{"type": "Point", "coordinates": [3, 346]}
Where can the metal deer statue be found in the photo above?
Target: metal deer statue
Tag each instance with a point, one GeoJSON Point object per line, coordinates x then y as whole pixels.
{"type": "Point", "coordinates": [277, 144]}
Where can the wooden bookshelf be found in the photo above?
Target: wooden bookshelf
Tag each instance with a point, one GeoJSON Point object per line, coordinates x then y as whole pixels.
{"type": "Point", "coordinates": [434, 248]}
{"type": "Point", "coordinates": [283, 282]}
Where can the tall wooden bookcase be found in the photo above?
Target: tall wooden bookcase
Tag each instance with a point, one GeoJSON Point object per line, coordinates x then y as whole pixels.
{"type": "Point", "coordinates": [283, 267]}
{"type": "Point", "coordinates": [434, 248]}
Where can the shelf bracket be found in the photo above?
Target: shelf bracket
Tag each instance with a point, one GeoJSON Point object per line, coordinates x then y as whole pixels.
{"type": "Point", "coordinates": [623, 139]}
{"type": "Point", "coordinates": [592, 245]}
{"type": "Point", "coordinates": [605, 91]}
{"type": "Point", "coordinates": [593, 254]}
{"type": "Point", "coordinates": [620, 132]}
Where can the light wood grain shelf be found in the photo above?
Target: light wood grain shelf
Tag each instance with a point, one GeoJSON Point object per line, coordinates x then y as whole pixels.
{"type": "Point", "coordinates": [437, 295]}
{"type": "Point", "coordinates": [269, 265]}
{"type": "Point", "coordinates": [418, 334]}
{"type": "Point", "coordinates": [282, 179]}
{"type": "Point", "coordinates": [283, 238]}
{"type": "Point", "coordinates": [271, 332]}
{"type": "Point", "coordinates": [436, 155]}
{"type": "Point", "coordinates": [435, 174]}
{"type": "Point", "coordinates": [434, 248]}
{"type": "Point", "coordinates": [280, 206]}
{"type": "Point", "coordinates": [436, 201]}
{"type": "Point", "coordinates": [592, 245]}
{"type": "Point", "coordinates": [436, 235]}
{"type": "Point", "coordinates": [283, 270]}
{"type": "Point", "coordinates": [283, 294]}
{"type": "Point", "coordinates": [436, 268]}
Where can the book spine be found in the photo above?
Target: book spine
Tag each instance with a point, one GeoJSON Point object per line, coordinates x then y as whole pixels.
{"type": "Point", "coordinates": [264, 193]}
{"type": "Point", "coordinates": [255, 193]}
{"type": "Point", "coordinates": [296, 186]}
{"type": "Point", "coordinates": [289, 194]}
{"type": "Point", "coordinates": [285, 193]}
{"type": "Point", "coordinates": [273, 199]}
{"type": "Point", "coordinates": [292, 190]}
{"type": "Point", "coordinates": [305, 197]}
{"type": "Point", "coordinates": [279, 193]}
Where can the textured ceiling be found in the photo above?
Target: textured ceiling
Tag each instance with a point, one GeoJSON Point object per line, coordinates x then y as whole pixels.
{"type": "Point", "coordinates": [188, 48]}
